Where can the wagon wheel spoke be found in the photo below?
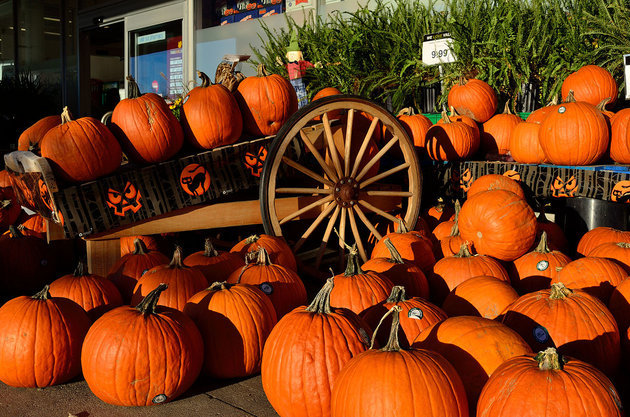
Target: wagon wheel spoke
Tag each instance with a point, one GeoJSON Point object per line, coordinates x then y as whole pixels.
{"type": "Point", "coordinates": [346, 148]}
{"type": "Point", "coordinates": [378, 211]}
{"type": "Point", "coordinates": [367, 222]}
{"type": "Point", "coordinates": [329, 228]}
{"type": "Point", "coordinates": [357, 236]}
{"type": "Point", "coordinates": [306, 171]}
{"type": "Point", "coordinates": [376, 193]}
{"type": "Point", "coordinates": [314, 225]}
{"type": "Point", "coordinates": [342, 235]}
{"type": "Point", "coordinates": [331, 144]}
{"type": "Point", "coordinates": [376, 158]}
{"type": "Point", "coordinates": [364, 145]}
{"type": "Point", "coordinates": [385, 174]}
{"type": "Point", "coordinates": [318, 157]}
{"type": "Point", "coordinates": [307, 208]}
{"type": "Point", "coordinates": [289, 190]}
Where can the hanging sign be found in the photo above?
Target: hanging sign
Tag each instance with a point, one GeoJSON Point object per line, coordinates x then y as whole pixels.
{"type": "Point", "coordinates": [626, 65]}
{"type": "Point", "coordinates": [437, 49]}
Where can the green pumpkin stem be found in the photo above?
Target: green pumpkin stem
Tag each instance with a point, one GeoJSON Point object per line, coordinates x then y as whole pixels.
{"type": "Point", "coordinates": [543, 245]}
{"type": "Point", "coordinates": [262, 71]}
{"type": "Point", "coordinates": [601, 106]}
{"type": "Point", "coordinates": [65, 115]}
{"type": "Point", "coordinates": [139, 247]}
{"type": "Point", "coordinates": [209, 250]}
{"type": "Point", "coordinates": [559, 291]}
{"type": "Point", "coordinates": [43, 295]}
{"type": "Point", "coordinates": [81, 270]}
{"type": "Point", "coordinates": [134, 90]}
{"type": "Point", "coordinates": [205, 80]}
{"type": "Point", "coordinates": [550, 360]}
{"type": "Point", "coordinates": [464, 252]}
{"type": "Point", "coordinates": [353, 267]}
{"type": "Point", "coordinates": [394, 255]}
{"type": "Point", "coordinates": [148, 303]}
{"type": "Point", "coordinates": [321, 302]}
{"type": "Point", "coordinates": [223, 285]}
{"type": "Point", "coordinates": [393, 345]}
{"type": "Point", "coordinates": [177, 261]}
{"type": "Point", "coordinates": [398, 295]}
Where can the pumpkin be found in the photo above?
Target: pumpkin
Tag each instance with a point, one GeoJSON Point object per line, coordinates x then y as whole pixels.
{"type": "Point", "coordinates": [127, 244]}
{"type": "Point", "coordinates": [416, 314]}
{"type": "Point", "coordinates": [456, 117]}
{"type": "Point", "coordinates": [304, 353]}
{"type": "Point", "coordinates": [146, 128]}
{"type": "Point", "coordinates": [283, 286]}
{"type": "Point", "coordinates": [420, 382]}
{"type": "Point", "coordinates": [595, 276]}
{"type": "Point", "coordinates": [620, 137]}
{"type": "Point", "coordinates": [416, 125]}
{"type": "Point", "coordinates": [495, 182]}
{"type": "Point", "coordinates": [542, 318]}
{"type": "Point", "coordinates": [578, 126]}
{"type": "Point", "coordinates": [215, 265]}
{"type": "Point", "coordinates": [444, 227]}
{"type": "Point", "coordinates": [412, 246]}
{"type": "Point", "coordinates": [356, 289]}
{"type": "Point", "coordinates": [619, 305]}
{"type": "Point", "coordinates": [327, 92]}
{"type": "Point", "coordinates": [399, 271]}
{"type": "Point", "coordinates": [126, 272]}
{"type": "Point", "coordinates": [234, 321]}
{"type": "Point", "coordinates": [524, 144]}
{"type": "Point", "coordinates": [499, 223]}
{"type": "Point", "coordinates": [183, 282]}
{"type": "Point", "coordinates": [451, 271]}
{"type": "Point", "coordinates": [481, 296]}
{"type": "Point", "coordinates": [81, 150]}
{"type": "Point", "coordinates": [9, 208]}
{"type": "Point", "coordinates": [266, 101]}
{"type": "Point", "coordinates": [277, 248]}
{"type": "Point", "coordinates": [598, 236]}
{"type": "Point", "coordinates": [34, 226]}
{"type": "Point", "coordinates": [556, 238]}
{"type": "Point", "coordinates": [41, 340]}
{"type": "Point", "coordinates": [451, 140]}
{"type": "Point", "coordinates": [449, 245]}
{"type": "Point", "coordinates": [5, 179]}
{"type": "Point", "coordinates": [618, 251]}
{"type": "Point", "coordinates": [497, 131]}
{"type": "Point", "coordinates": [578, 388]}
{"type": "Point", "coordinates": [440, 212]}
{"type": "Point", "coordinates": [142, 355]}
{"type": "Point", "coordinates": [590, 84]}
{"type": "Point", "coordinates": [538, 115]}
{"type": "Point", "coordinates": [30, 138]}
{"type": "Point", "coordinates": [473, 98]}
{"type": "Point", "coordinates": [211, 116]}
{"type": "Point", "coordinates": [536, 270]}
{"type": "Point", "coordinates": [95, 294]}
{"type": "Point", "coordinates": [474, 346]}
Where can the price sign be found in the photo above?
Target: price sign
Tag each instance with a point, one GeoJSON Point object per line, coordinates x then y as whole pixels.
{"type": "Point", "coordinates": [626, 63]}
{"type": "Point", "coordinates": [436, 49]}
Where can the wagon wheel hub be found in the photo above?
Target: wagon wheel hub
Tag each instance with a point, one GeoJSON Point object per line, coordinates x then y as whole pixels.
{"type": "Point", "coordinates": [346, 192]}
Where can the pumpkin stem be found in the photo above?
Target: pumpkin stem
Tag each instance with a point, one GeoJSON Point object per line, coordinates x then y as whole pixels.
{"type": "Point", "coordinates": [223, 285]}
{"type": "Point", "coordinates": [455, 228]}
{"type": "Point", "coordinates": [177, 262]}
{"type": "Point", "coordinates": [543, 246]}
{"type": "Point", "coordinates": [601, 106]}
{"type": "Point", "coordinates": [554, 101]}
{"type": "Point", "coordinates": [407, 111]}
{"type": "Point", "coordinates": [251, 239]}
{"type": "Point", "coordinates": [134, 90]}
{"type": "Point", "coordinates": [394, 255]}
{"type": "Point", "coordinates": [570, 97]}
{"type": "Point", "coordinates": [321, 302]}
{"type": "Point", "coordinates": [262, 257]}
{"type": "Point", "coordinates": [65, 115]}
{"type": "Point", "coordinates": [506, 109]}
{"type": "Point", "coordinates": [43, 295]}
{"type": "Point", "coordinates": [139, 247]}
{"type": "Point", "coordinates": [15, 232]}
{"type": "Point", "coordinates": [205, 80]}
{"type": "Point", "coordinates": [624, 245]}
{"type": "Point", "coordinates": [262, 71]}
{"type": "Point", "coordinates": [550, 360]}
{"type": "Point", "coordinates": [398, 295]}
{"type": "Point", "coordinates": [464, 251]}
{"type": "Point", "coordinates": [208, 249]}
{"type": "Point", "coordinates": [5, 203]}
{"type": "Point", "coordinates": [402, 226]}
{"type": "Point", "coordinates": [559, 291]}
{"type": "Point", "coordinates": [81, 270]}
{"type": "Point", "coordinates": [353, 267]}
{"type": "Point", "coordinates": [393, 345]}
{"type": "Point", "coordinates": [148, 303]}
{"type": "Point", "coordinates": [445, 117]}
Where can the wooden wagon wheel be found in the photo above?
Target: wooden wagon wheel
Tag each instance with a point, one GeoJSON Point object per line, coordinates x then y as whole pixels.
{"type": "Point", "coordinates": [356, 168]}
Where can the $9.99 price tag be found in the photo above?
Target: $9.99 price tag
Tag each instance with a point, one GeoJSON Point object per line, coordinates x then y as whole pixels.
{"type": "Point", "coordinates": [436, 49]}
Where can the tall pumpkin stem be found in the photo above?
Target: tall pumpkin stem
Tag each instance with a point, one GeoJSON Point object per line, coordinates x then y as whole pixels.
{"type": "Point", "coordinates": [559, 291]}
{"type": "Point", "coordinates": [506, 109]}
{"type": "Point", "coordinates": [43, 295]}
{"type": "Point", "coordinates": [353, 267]}
{"type": "Point", "coordinates": [148, 303]}
{"type": "Point", "coordinates": [445, 117]}
{"type": "Point", "coordinates": [455, 228]}
{"type": "Point", "coordinates": [205, 80]}
{"type": "Point", "coordinates": [402, 226]}
{"type": "Point", "coordinates": [321, 303]}
{"type": "Point", "coordinates": [394, 255]}
{"type": "Point", "coordinates": [134, 90]}
{"type": "Point", "coordinates": [81, 270]}
{"type": "Point", "coordinates": [464, 252]}
{"type": "Point", "coordinates": [177, 262]}
{"type": "Point", "coordinates": [543, 245]}
{"type": "Point", "coordinates": [65, 115]}
{"type": "Point", "coordinates": [139, 247]}
{"type": "Point", "coordinates": [398, 295]}
{"type": "Point", "coordinates": [208, 249]}
{"type": "Point", "coordinates": [393, 345]}
{"type": "Point", "coordinates": [262, 71]}
{"type": "Point", "coordinates": [549, 359]}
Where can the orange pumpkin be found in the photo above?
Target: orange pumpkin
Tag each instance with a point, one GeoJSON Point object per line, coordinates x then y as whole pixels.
{"type": "Point", "coordinates": [30, 138]}
{"type": "Point", "coordinates": [416, 125]}
{"type": "Point", "coordinates": [481, 296]}
{"type": "Point", "coordinates": [497, 131]}
{"type": "Point", "coordinates": [537, 116]}
{"type": "Point", "coordinates": [618, 251]}
{"type": "Point", "coordinates": [524, 144]}
{"type": "Point", "coordinates": [591, 84]}
{"type": "Point", "coordinates": [438, 213]}
{"type": "Point", "coordinates": [473, 98]}
{"type": "Point", "coordinates": [412, 246]}
{"type": "Point", "coordinates": [278, 249]}
{"type": "Point", "coordinates": [450, 141]}
{"type": "Point", "coordinates": [215, 265]}
{"type": "Point", "coordinates": [619, 305]}
{"type": "Point", "coordinates": [495, 182]}
{"type": "Point", "coordinates": [327, 92]}
{"type": "Point", "coordinates": [34, 226]}
{"type": "Point", "coordinates": [556, 238]}
{"type": "Point", "coordinates": [450, 244]}
{"type": "Point", "coordinates": [456, 117]}
{"type": "Point", "coordinates": [598, 236]}
{"type": "Point", "coordinates": [266, 101]}
{"type": "Point", "coordinates": [620, 137]}
{"type": "Point", "coordinates": [127, 244]}
{"type": "Point", "coordinates": [595, 276]}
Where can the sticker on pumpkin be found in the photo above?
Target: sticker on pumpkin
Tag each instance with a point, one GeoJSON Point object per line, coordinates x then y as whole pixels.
{"type": "Point", "coordinates": [159, 399]}
{"type": "Point", "coordinates": [267, 288]}
{"type": "Point", "coordinates": [542, 265]}
{"type": "Point", "coordinates": [194, 179]}
{"type": "Point", "coordinates": [540, 334]}
{"type": "Point", "coordinates": [255, 162]}
{"type": "Point", "coordinates": [415, 313]}
{"type": "Point", "coordinates": [561, 188]}
{"type": "Point", "coordinates": [466, 180]}
{"type": "Point", "coordinates": [126, 200]}
{"type": "Point", "coordinates": [512, 174]}
{"type": "Point", "coordinates": [621, 192]}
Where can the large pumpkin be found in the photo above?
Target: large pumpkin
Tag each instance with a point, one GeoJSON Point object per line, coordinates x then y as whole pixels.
{"type": "Point", "coordinates": [620, 137]}
{"type": "Point", "coordinates": [480, 296]}
{"type": "Point", "coordinates": [453, 116]}
{"type": "Point", "coordinates": [215, 265]}
{"type": "Point", "coordinates": [416, 125]}
{"type": "Point", "coordinates": [211, 116]}
{"type": "Point", "coordinates": [266, 101]}
{"type": "Point", "coordinates": [579, 389]}
{"type": "Point", "coordinates": [277, 248]}
{"type": "Point", "coordinates": [30, 138]}
{"type": "Point", "coordinates": [495, 182]}
{"type": "Point", "coordinates": [142, 355]}
{"type": "Point", "coordinates": [598, 236]}
{"type": "Point", "coordinates": [145, 126]}
{"type": "Point", "coordinates": [591, 84]}
{"type": "Point", "coordinates": [595, 276]}
{"type": "Point", "coordinates": [304, 353]}
{"type": "Point", "coordinates": [451, 140]}
{"type": "Point", "coordinates": [499, 223]}
{"type": "Point", "coordinates": [524, 144]}
{"type": "Point", "coordinates": [41, 340]}
{"type": "Point", "coordinates": [414, 382]}
{"type": "Point", "coordinates": [618, 251]}
{"type": "Point", "coordinates": [576, 323]}
{"type": "Point", "coordinates": [497, 131]}
{"type": "Point", "coordinates": [81, 150]}
{"type": "Point", "coordinates": [234, 321]}
{"type": "Point", "coordinates": [473, 98]}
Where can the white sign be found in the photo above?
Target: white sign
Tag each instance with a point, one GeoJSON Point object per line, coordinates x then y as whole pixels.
{"type": "Point", "coordinates": [152, 37]}
{"type": "Point", "coordinates": [626, 64]}
{"type": "Point", "coordinates": [437, 49]}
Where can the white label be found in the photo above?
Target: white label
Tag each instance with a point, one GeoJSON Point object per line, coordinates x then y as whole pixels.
{"type": "Point", "coordinates": [626, 64]}
{"type": "Point", "coordinates": [152, 37]}
{"type": "Point", "coordinates": [437, 49]}
{"type": "Point", "coordinates": [415, 313]}
{"type": "Point", "coordinates": [542, 265]}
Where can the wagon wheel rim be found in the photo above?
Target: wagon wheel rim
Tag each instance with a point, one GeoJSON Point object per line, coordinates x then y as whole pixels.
{"type": "Point", "coordinates": [348, 185]}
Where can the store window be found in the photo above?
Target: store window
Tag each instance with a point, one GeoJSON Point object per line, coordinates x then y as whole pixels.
{"type": "Point", "coordinates": [224, 12]}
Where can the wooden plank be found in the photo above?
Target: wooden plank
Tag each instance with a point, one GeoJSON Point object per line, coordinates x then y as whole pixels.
{"type": "Point", "coordinates": [102, 255]}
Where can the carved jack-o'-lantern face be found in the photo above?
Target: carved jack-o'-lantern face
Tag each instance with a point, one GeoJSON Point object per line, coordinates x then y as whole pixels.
{"type": "Point", "coordinates": [255, 162]}
{"type": "Point", "coordinates": [561, 188]}
{"type": "Point", "coordinates": [512, 175]}
{"type": "Point", "coordinates": [127, 200]}
{"type": "Point", "coordinates": [195, 179]}
{"type": "Point", "coordinates": [621, 192]}
{"type": "Point", "coordinates": [466, 180]}
{"type": "Point", "coordinates": [43, 192]}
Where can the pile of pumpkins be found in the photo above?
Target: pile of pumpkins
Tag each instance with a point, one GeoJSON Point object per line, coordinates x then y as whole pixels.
{"type": "Point", "coordinates": [145, 128]}
{"type": "Point", "coordinates": [580, 123]}
{"type": "Point", "coordinates": [490, 319]}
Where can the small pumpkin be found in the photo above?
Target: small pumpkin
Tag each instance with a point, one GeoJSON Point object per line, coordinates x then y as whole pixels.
{"type": "Point", "coordinates": [495, 182]}
{"type": "Point", "coordinates": [453, 116]}
{"type": "Point", "coordinates": [556, 239]}
{"type": "Point", "coordinates": [595, 276]}
{"type": "Point", "coordinates": [449, 245]}
{"type": "Point", "coordinates": [327, 92]}
{"type": "Point", "coordinates": [473, 98]}
{"type": "Point", "coordinates": [34, 226]}
{"type": "Point", "coordinates": [598, 236]}
{"type": "Point", "coordinates": [481, 296]}
{"type": "Point", "coordinates": [450, 141]}
{"type": "Point", "coordinates": [416, 125]}
{"type": "Point", "coordinates": [590, 84]}
{"type": "Point", "coordinates": [30, 138]}
{"type": "Point", "coordinates": [215, 265]}
{"type": "Point", "coordinates": [127, 244]}
{"type": "Point", "coordinates": [412, 246]}
{"type": "Point", "coordinates": [277, 248]}
{"type": "Point", "coordinates": [497, 131]}
{"type": "Point", "coordinates": [439, 212]}
{"type": "Point", "coordinates": [524, 144]}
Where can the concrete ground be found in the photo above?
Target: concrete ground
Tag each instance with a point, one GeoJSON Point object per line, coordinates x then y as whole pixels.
{"type": "Point", "coordinates": [234, 398]}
